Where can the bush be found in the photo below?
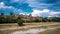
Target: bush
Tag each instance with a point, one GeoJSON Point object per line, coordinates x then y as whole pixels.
{"type": "Point", "coordinates": [20, 22]}
{"type": "Point", "coordinates": [36, 20]}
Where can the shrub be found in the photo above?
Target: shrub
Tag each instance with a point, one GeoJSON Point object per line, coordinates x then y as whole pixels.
{"type": "Point", "coordinates": [20, 22]}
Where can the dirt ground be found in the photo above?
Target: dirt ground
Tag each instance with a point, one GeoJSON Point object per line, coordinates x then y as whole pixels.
{"type": "Point", "coordinates": [33, 25]}
{"type": "Point", "coordinates": [57, 31]}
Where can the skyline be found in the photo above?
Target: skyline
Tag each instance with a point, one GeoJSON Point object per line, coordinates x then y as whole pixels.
{"type": "Point", "coordinates": [44, 8]}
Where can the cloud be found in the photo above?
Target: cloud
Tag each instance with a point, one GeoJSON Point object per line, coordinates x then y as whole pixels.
{"type": "Point", "coordinates": [35, 4]}
{"type": "Point", "coordinates": [40, 12]}
{"type": "Point", "coordinates": [54, 14]}
{"type": "Point", "coordinates": [45, 13]}
{"type": "Point", "coordinates": [42, 8]}
{"type": "Point", "coordinates": [7, 9]}
{"type": "Point", "coordinates": [1, 4]}
{"type": "Point", "coordinates": [19, 4]}
{"type": "Point", "coordinates": [45, 4]}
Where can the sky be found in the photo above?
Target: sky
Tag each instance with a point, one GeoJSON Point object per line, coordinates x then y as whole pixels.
{"type": "Point", "coordinates": [43, 8]}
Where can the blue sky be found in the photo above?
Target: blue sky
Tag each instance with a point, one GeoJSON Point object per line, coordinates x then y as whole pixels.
{"type": "Point", "coordinates": [43, 8]}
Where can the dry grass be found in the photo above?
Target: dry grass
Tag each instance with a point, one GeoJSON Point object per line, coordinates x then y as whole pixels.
{"type": "Point", "coordinates": [34, 26]}
{"type": "Point", "coordinates": [57, 31]}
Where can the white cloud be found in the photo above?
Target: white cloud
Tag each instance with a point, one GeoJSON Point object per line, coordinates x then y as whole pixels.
{"type": "Point", "coordinates": [11, 8]}
{"type": "Point", "coordinates": [45, 13]}
{"type": "Point", "coordinates": [39, 12]}
{"type": "Point", "coordinates": [1, 4]}
{"type": "Point", "coordinates": [53, 14]}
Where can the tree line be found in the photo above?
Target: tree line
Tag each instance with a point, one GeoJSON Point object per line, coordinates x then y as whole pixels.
{"type": "Point", "coordinates": [18, 19]}
{"type": "Point", "coordinates": [11, 20]}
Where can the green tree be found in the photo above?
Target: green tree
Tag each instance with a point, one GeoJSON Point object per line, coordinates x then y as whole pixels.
{"type": "Point", "coordinates": [20, 21]}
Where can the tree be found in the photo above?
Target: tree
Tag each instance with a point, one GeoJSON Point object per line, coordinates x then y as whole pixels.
{"type": "Point", "coordinates": [19, 21]}
{"type": "Point", "coordinates": [2, 19]}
